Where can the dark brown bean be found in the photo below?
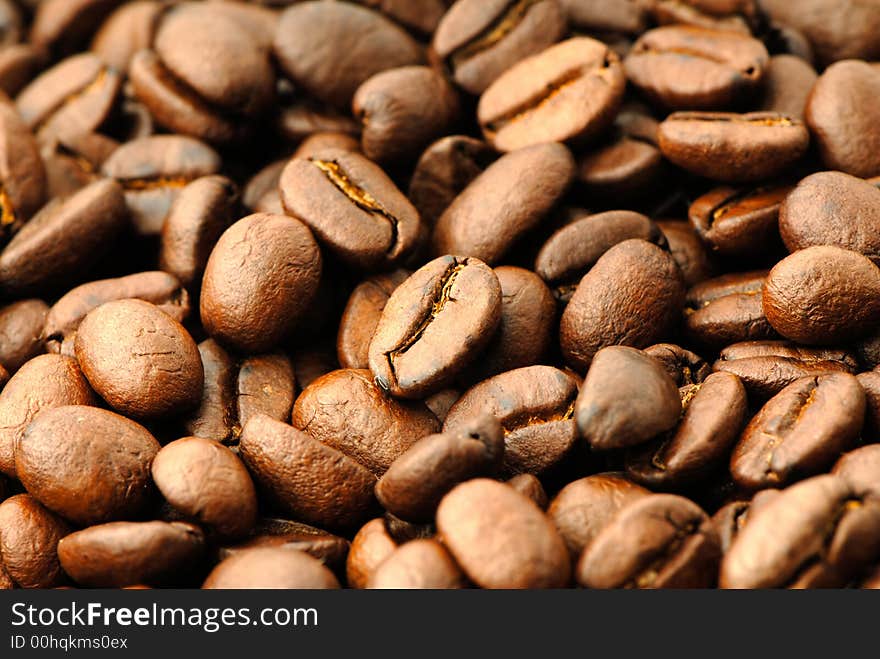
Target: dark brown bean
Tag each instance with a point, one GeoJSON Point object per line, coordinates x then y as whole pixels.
{"type": "Point", "coordinates": [788, 81]}
{"type": "Point", "coordinates": [273, 568]}
{"type": "Point", "coordinates": [21, 332]}
{"type": "Point", "coordinates": [861, 469]}
{"type": "Point", "coordinates": [418, 564]}
{"type": "Point", "coordinates": [370, 547]}
{"type": "Point", "coordinates": [29, 535]}
{"type": "Point", "coordinates": [682, 365]}
{"type": "Point", "coordinates": [688, 251]}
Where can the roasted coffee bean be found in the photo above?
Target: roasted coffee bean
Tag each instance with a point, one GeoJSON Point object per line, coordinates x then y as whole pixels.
{"type": "Point", "coordinates": [139, 359]}
{"type": "Point", "coordinates": [739, 222]}
{"type": "Point", "coordinates": [272, 568]}
{"type": "Point", "coordinates": [585, 506]}
{"type": "Point", "coordinates": [727, 309]}
{"type": "Point", "coordinates": [154, 170]}
{"type": "Point", "coordinates": [832, 208]}
{"type": "Point", "coordinates": [72, 98]}
{"type": "Point", "coordinates": [479, 40]}
{"type": "Point", "coordinates": [500, 538]}
{"type": "Point", "coordinates": [627, 16]}
{"type": "Point", "coordinates": [870, 382]}
{"type": "Point", "coordinates": [370, 547]}
{"type": "Point", "coordinates": [21, 332]}
{"type": "Point", "coordinates": [303, 118]}
{"type": "Point", "coordinates": [799, 432]}
{"type": "Point", "coordinates": [434, 324]}
{"type": "Point", "coordinates": [418, 564]}
{"type": "Point", "coordinates": [787, 85]}
{"type": "Point", "coordinates": [347, 411]}
{"type": "Point", "coordinates": [352, 206]}
{"type": "Point", "coordinates": [842, 117]}
{"type": "Point", "coordinates": [627, 398]}
{"type": "Point", "coordinates": [261, 277]}
{"type": "Point", "coordinates": [22, 175]}
{"type": "Point", "coordinates": [129, 553]}
{"type": "Point", "coordinates": [767, 367]}
{"type": "Point", "coordinates": [261, 194]}
{"type": "Point", "coordinates": [528, 315]}
{"type": "Point", "coordinates": [158, 288]}
{"type": "Point", "coordinates": [836, 29]}
{"type": "Point", "coordinates": [632, 296]}
{"type": "Point", "coordinates": [657, 541]}
{"type": "Point", "coordinates": [330, 49]}
{"type": "Point", "coordinates": [62, 26]}
{"type": "Point", "coordinates": [100, 472]}
{"type": "Point", "coordinates": [19, 64]}
{"type": "Point", "coordinates": [572, 250]}
{"type": "Point", "coordinates": [208, 483]}
{"type": "Point", "coordinates": [713, 414]}
{"type": "Point", "coordinates": [530, 486]}
{"type": "Point", "coordinates": [624, 165]}
{"type": "Point", "coordinates": [506, 201]}
{"type": "Point", "coordinates": [198, 217]}
{"type": "Point", "coordinates": [330, 549]}
{"type": "Point", "coordinates": [127, 30]}
{"type": "Point", "coordinates": [691, 68]}
{"type": "Point", "coordinates": [731, 15]}
{"type": "Point", "coordinates": [688, 251]}
{"type": "Point", "coordinates": [817, 533]}
{"type": "Point", "coordinates": [725, 146]}
{"type": "Point", "coordinates": [73, 163]}
{"type": "Point", "coordinates": [38, 258]}
{"type": "Point", "coordinates": [535, 406]}
{"type": "Point", "coordinates": [44, 382]}
{"type": "Point", "coordinates": [361, 315]}
{"type": "Point", "coordinates": [730, 519]}
{"type": "Point", "coordinates": [402, 111]}
{"type": "Point", "coordinates": [823, 295]}
{"type": "Point", "coordinates": [568, 93]}
{"type": "Point", "coordinates": [419, 15]}
{"type": "Point", "coordinates": [444, 169]}
{"type": "Point", "coordinates": [29, 535]}
{"type": "Point", "coordinates": [683, 366]}
{"type": "Point", "coordinates": [310, 480]}
{"type": "Point", "coordinates": [861, 468]}
{"type": "Point", "coordinates": [417, 480]}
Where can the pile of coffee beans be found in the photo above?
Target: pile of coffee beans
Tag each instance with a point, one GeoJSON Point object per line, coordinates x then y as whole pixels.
{"type": "Point", "coordinates": [435, 294]}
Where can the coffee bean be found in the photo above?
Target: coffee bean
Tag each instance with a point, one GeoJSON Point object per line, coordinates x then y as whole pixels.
{"type": "Point", "coordinates": [197, 218]}
{"type": "Point", "coordinates": [509, 544]}
{"type": "Point", "coordinates": [63, 26]}
{"type": "Point", "coordinates": [799, 432]}
{"type": "Point", "coordinates": [502, 204]}
{"type": "Point", "coordinates": [403, 110]}
{"type": "Point", "coordinates": [727, 309]}
{"type": "Point", "coordinates": [310, 480]}
{"type": "Point", "coordinates": [208, 483]}
{"type": "Point", "coordinates": [713, 414]}
{"type": "Point", "coordinates": [823, 295]}
{"type": "Point", "coordinates": [129, 553]}
{"type": "Point", "coordinates": [656, 541]}
{"type": "Point", "coordinates": [19, 64]}
{"type": "Point", "coordinates": [530, 486]}
{"type": "Point", "coordinates": [433, 325]}
{"type": "Point", "coordinates": [739, 222]}
{"type": "Point", "coordinates": [731, 518]}
{"type": "Point", "coordinates": [572, 250]}
{"type": "Point", "coordinates": [99, 473]}
{"type": "Point", "coordinates": [626, 399]}
{"type": "Point", "coordinates": [28, 542]}
{"type": "Point", "coordinates": [44, 382]}
{"type": "Point", "coordinates": [241, 306]}
{"type": "Point", "coordinates": [683, 366]}
{"type": "Point", "coordinates": [629, 16]}
{"type": "Point", "coordinates": [730, 15]}
{"type": "Point", "coordinates": [330, 549]}
{"type": "Point", "coordinates": [361, 315]}
{"type": "Point", "coordinates": [21, 330]}
{"type": "Point", "coordinates": [139, 359]}
{"type": "Point", "coordinates": [330, 49]}
{"type": "Point", "coordinates": [158, 288]}
{"type": "Point", "coordinates": [271, 567]}
{"type": "Point", "coordinates": [370, 547]}
{"type": "Point", "coordinates": [22, 175]}
{"type": "Point", "coordinates": [444, 169]}
{"type": "Point", "coordinates": [688, 251]}
{"type": "Point", "coordinates": [691, 68]}
{"type": "Point", "coordinates": [585, 506]}
{"type": "Point", "coordinates": [860, 468]}
{"type": "Point", "coordinates": [832, 208]}
{"type": "Point", "coordinates": [535, 406]}
{"type": "Point", "coordinates": [352, 206]}
{"type": "Point", "coordinates": [417, 480]}
{"type": "Point", "coordinates": [127, 30]}
{"type": "Point", "coordinates": [154, 170]}
{"type": "Point", "coordinates": [632, 296]}
{"type": "Point", "coordinates": [569, 92]}
{"type": "Point", "coordinates": [38, 258]}
{"type": "Point", "coordinates": [418, 564]}
{"type": "Point", "coordinates": [479, 40]}
{"type": "Point", "coordinates": [817, 533]}
{"type": "Point", "coordinates": [870, 382]}
{"type": "Point", "coordinates": [787, 85]}
{"type": "Point", "coordinates": [347, 411]}
{"type": "Point", "coordinates": [725, 146]}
